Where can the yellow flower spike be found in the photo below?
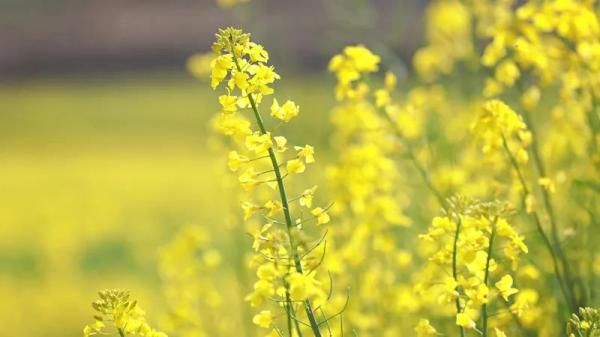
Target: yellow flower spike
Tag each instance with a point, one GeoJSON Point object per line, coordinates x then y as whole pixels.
{"type": "Point", "coordinates": [322, 216]}
{"type": "Point", "coordinates": [125, 314]}
{"type": "Point", "coordinates": [249, 78]}
{"type": "Point", "coordinates": [263, 319]}
{"type": "Point", "coordinates": [505, 287]}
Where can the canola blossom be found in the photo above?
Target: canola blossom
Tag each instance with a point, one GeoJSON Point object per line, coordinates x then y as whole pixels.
{"type": "Point", "coordinates": [459, 208]}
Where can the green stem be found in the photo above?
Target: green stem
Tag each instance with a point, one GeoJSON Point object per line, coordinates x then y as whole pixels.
{"type": "Point", "coordinates": [121, 333]}
{"type": "Point", "coordinates": [487, 276]}
{"type": "Point", "coordinates": [454, 269]}
{"type": "Point", "coordinates": [422, 171]}
{"type": "Point", "coordinates": [538, 224]}
{"type": "Point", "coordinates": [284, 201]}
{"type": "Point", "coordinates": [539, 165]}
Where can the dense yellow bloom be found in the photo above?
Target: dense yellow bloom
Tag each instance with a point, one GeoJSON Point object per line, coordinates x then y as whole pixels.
{"type": "Point", "coordinates": [349, 66]}
{"type": "Point", "coordinates": [497, 125]}
{"type": "Point", "coordinates": [280, 284]}
{"type": "Point", "coordinates": [122, 314]}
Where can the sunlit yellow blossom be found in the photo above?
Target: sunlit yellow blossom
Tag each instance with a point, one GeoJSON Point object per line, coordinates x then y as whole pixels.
{"type": "Point", "coordinates": [295, 166]}
{"type": "Point", "coordinates": [285, 112]}
{"type": "Point", "coordinates": [505, 287]}
{"type": "Point", "coordinates": [321, 214]}
{"type": "Point", "coordinates": [465, 321]}
{"type": "Point", "coordinates": [263, 319]}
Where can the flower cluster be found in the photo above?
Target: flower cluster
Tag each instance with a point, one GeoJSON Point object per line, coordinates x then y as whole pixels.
{"type": "Point", "coordinates": [285, 257]}
{"type": "Point", "coordinates": [473, 271]}
{"type": "Point", "coordinates": [117, 312]}
{"type": "Point", "coordinates": [498, 126]}
{"type": "Point", "coordinates": [585, 323]}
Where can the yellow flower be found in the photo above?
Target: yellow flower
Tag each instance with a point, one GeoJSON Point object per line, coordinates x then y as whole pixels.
{"type": "Point", "coordinates": [257, 53]}
{"type": "Point", "coordinates": [307, 197]}
{"type": "Point", "coordinates": [285, 112]}
{"type": "Point", "coordinates": [249, 209]}
{"type": "Point", "coordinates": [220, 68]}
{"type": "Point", "coordinates": [507, 73]}
{"type": "Point", "coordinates": [389, 81]}
{"type": "Point", "coordinates": [382, 98]}
{"type": "Point", "coordinates": [229, 103]}
{"type": "Point", "coordinates": [263, 319]}
{"type": "Point", "coordinates": [499, 333]}
{"type": "Point", "coordinates": [235, 160]}
{"type": "Point", "coordinates": [362, 58]}
{"type": "Point", "coordinates": [424, 329]}
{"type": "Point", "coordinates": [259, 143]}
{"type": "Point", "coordinates": [547, 184]}
{"type": "Point", "coordinates": [266, 272]}
{"type": "Point", "coordinates": [465, 321]}
{"type": "Point", "coordinates": [300, 286]}
{"type": "Point", "coordinates": [273, 207]}
{"type": "Point", "coordinates": [321, 214]}
{"type": "Point", "coordinates": [295, 166]}
{"type": "Point", "coordinates": [306, 152]}
{"type": "Point", "coordinates": [505, 287]}
{"type": "Point", "coordinates": [281, 142]}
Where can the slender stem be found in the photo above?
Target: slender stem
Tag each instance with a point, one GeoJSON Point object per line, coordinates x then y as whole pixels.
{"type": "Point", "coordinates": [422, 171]}
{"type": "Point", "coordinates": [454, 269]}
{"type": "Point", "coordinates": [121, 333]}
{"type": "Point", "coordinates": [537, 160]}
{"type": "Point", "coordinates": [538, 224]}
{"type": "Point", "coordinates": [284, 201]}
{"type": "Point", "coordinates": [487, 275]}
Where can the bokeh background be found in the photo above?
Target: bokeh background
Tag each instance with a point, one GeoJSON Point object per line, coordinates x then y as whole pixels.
{"type": "Point", "coordinates": [105, 144]}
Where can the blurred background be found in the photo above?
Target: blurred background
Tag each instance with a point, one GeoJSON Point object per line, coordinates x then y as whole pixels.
{"type": "Point", "coordinates": [105, 146]}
